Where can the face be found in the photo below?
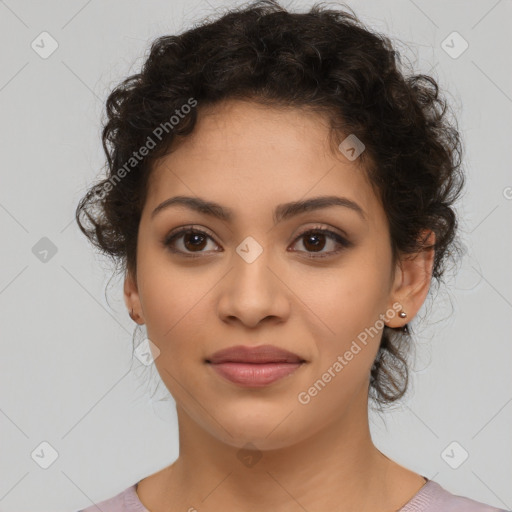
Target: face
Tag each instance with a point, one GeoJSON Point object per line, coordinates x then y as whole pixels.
{"type": "Point", "coordinates": [256, 278]}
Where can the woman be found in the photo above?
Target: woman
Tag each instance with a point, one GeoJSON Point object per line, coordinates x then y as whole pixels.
{"type": "Point", "coordinates": [280, 196]}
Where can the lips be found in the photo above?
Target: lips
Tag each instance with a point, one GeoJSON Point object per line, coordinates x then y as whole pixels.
{"type": "Point", "coordinates": [255, 355]}
{"type": "Point", "coordinates": [254, 367]}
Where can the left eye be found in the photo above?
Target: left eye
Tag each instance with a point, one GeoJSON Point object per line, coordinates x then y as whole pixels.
{"type": "Point", "coordinates": [195, 240]}
{"type": "Point", "coordinates": [315, 239]}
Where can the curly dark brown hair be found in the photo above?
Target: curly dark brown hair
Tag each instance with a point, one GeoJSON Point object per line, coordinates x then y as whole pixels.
{"type": "Point", "coordinates": [324, 60]}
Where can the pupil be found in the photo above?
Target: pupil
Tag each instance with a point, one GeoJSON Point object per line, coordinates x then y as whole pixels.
{"type": "Point", "coordinates": [197, 243]}
{"type": "Point", "coordinates": [316, 243]}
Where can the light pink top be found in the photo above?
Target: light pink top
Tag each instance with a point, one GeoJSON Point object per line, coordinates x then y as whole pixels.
{"type": "Point", "coordinates": [430, 498]}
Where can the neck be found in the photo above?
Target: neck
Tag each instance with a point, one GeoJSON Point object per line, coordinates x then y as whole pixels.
{"type": "Point", "coordinates": [337, 468]}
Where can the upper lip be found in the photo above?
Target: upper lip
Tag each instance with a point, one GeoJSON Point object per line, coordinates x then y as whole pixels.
{"type": "Point", "coordinates": [260, 354]}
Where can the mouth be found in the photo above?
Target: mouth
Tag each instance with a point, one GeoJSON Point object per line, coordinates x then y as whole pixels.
{"type": "Point", "coordinates": [254, 366]}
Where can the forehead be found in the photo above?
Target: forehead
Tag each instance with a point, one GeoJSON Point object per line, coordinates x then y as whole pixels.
{"type": "Point", "coordinates": [250, 156]}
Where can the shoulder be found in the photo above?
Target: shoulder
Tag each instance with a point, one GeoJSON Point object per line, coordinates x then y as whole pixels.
{"type": "Point", "coordinates": [125, 501]}
{"type": "Point", "coordinates": [432, 497]}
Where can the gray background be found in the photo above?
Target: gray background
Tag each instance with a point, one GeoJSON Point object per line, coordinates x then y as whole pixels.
{"type": "Point", "coordinates": [65, 368]}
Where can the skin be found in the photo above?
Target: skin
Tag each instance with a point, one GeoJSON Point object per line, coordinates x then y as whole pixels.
{"type": "Point", "coordinates": [316, 456]}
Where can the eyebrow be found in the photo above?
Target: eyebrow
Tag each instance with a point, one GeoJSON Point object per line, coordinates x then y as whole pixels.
{"type": "Point", "coordinates": [282, 212]}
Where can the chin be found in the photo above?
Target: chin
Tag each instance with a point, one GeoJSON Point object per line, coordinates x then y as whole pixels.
{"type": "Point", "coordinates": [263, 430]}
{"type": "Point", "coordinates": [253, 440]}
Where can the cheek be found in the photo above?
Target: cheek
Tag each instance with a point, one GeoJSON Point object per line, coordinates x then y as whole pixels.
{"type": "Point", "coordinates": [350, 297]}
{"type": "Point", "coordinates": [175, 314]}
{"type": "Point", "coordinates": [169, 297]}
{"type": "Point", "coordinates": [348, 302]}
{"type": "Point", "coordinates": [345, 356]}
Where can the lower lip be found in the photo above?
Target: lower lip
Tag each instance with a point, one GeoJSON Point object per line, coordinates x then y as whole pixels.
{"type": "Point", "coordinates": [254, 375]}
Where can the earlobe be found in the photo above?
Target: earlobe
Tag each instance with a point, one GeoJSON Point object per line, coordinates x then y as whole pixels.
{"type": "Point", "coordinates": [412, 280]}
{"type": "Point", "coordinates": [132, 299]}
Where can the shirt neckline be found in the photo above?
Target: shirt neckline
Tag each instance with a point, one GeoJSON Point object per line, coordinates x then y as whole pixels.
{"type": "Point", "coordinates": [420, 497]}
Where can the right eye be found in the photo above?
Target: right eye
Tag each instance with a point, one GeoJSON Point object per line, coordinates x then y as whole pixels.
{"type": "Point", "coordinates": [191, 240]}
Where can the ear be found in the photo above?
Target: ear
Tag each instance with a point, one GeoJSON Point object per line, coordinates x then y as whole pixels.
{"type": "Point", "coordinates": [132, 299]}
{"type": "Point", "coordinates": [411, 284]}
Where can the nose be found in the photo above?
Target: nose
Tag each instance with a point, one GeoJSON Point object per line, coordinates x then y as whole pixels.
{"type": "Point", "coordinates": [254, 291]}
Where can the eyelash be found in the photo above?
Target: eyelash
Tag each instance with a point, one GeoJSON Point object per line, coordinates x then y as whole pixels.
{"type": "Point", "coordinates": [344, 243]}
